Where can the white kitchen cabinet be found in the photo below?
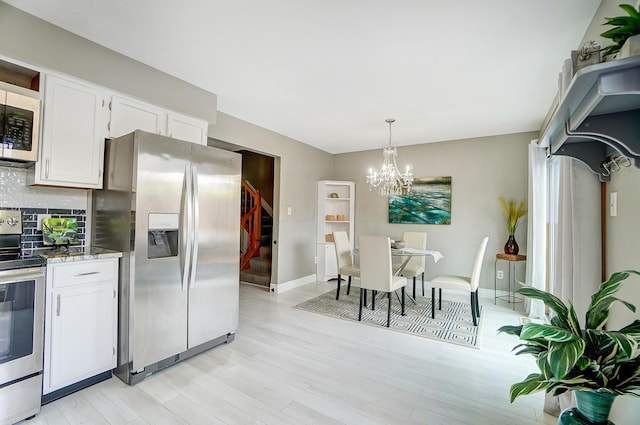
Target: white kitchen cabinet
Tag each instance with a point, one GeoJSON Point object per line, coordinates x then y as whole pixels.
{"type": "Point", "coordinates": [81, 321]}
{"type": "Point", "coordinates": [72, 148]}
{"type": "Point", "coordinates": [187, 128]}
{"type": "Point", "coordinates": [336, 211]}
{"type": "Point", "coordinates": [128, 115]}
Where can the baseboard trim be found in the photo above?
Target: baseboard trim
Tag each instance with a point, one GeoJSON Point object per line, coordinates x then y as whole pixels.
{"type": "Point", "coordinates": [278, 288]}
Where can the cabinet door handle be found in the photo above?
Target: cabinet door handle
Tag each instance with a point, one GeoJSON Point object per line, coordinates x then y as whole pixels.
{"type": "Point", "coordinates": [58, 305]}
{"type": "Point", "coordinates": [85, 274]}
{"type": "Point", "coordinates": [114, 293]}
{"type": "Point", "coordinates": [46, 169]}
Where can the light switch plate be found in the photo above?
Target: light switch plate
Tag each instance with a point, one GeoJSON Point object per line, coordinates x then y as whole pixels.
{"type": "Point", "coordinates": [613, 204]}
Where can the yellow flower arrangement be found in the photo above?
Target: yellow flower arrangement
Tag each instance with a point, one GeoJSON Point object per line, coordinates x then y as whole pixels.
{"type": "Point", "coordinates": [513, 211]}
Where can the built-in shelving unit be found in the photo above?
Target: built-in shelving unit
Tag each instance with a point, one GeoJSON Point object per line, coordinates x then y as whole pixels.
{"type": "Point", "coordinates": [335, 213]}
{"type": "Point", "coordinates": [598, 116]}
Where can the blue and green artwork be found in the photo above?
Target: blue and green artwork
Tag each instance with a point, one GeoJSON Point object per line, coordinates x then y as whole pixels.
{"type": "Point", "coordinates": [428, 202]}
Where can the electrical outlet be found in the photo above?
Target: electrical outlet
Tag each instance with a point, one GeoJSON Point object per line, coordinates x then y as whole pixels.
{"type": "Point", "coordinates": [315, 260]}
{"type": "Point", "coordinates": [500, 274]}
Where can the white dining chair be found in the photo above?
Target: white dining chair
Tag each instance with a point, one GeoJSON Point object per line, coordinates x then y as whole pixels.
{"type": "Point", "coordinates": [461, 283]}
{"type": "Point", "coordinates": [415, 266]}
{"type": "Point", "coordinates": [376, 271]}
{"type": "Point", "coordinates": [345, 260]}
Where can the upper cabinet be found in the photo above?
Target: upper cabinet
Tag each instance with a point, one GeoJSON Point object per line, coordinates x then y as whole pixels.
{"type": "Point", "coordinates": [187, 128]}
{"type": "Point", "coordinates": [128, 115]}
{"type": "Point", "coordinates": [79, 116]}
{"type": "Point", "coordinates": [597, 118]}
{"type": "Point", "coordinates": [72, 148]}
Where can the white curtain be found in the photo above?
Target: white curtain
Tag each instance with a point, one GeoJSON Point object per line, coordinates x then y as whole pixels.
{"type": "Point", "coordinates": [537, 227]}
{"type": "Point", "coordinates": [574, 248]}
{"type": "Point", "coordinates": [576, 261]}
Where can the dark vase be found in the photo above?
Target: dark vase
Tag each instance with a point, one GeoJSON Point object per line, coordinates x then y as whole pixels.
{"type": "Point", "coordinates": [511, 247]}
{"type": "Point", "coordinates": [593, 409]}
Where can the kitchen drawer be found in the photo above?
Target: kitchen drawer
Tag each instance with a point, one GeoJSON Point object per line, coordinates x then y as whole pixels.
{"type": "Point", "coordinates": [80, 272]}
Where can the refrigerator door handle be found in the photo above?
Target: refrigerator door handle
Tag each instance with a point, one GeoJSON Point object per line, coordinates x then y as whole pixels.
{"type": "Point", "coordinates": [186, 230]}
{"type": "Point", "coordinates": [196, 226]}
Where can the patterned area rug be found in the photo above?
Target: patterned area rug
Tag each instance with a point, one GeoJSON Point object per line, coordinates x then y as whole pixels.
{"type": "Point", "coordinates": [452, 324]}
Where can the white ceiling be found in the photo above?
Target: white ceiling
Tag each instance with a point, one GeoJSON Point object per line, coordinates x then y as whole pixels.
{"type": "Point", "coordinates": [329, 72]}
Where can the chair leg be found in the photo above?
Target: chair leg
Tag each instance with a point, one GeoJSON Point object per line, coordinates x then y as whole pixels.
{"type": "Point", "coordinates": [477, 304]}
{"type": "Point", "coordinates": [473, 309]}
{"type": "Point", "coordinates": [389, 311]}
{"type": "Point", "coordinates": [338, 289]}
{"type": "Point", "coordinates": [360, 308]}
{"type": "Point", "coordinates": [423, 284]}
{"type": "Point", "coordinates": [439, 298]}
{"type": "Point", "coordinates": [433, 303]}
{"type": "Point", "coordinates": [349, 286]}
{"type": "Point", "coordinates": [373, 300]}
{"type": "Point", "coordinates": [414, 287]}
{"type": "Point", "coordinates": [403, 291]}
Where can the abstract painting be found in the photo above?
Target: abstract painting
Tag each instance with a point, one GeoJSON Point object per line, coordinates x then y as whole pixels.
{"type": "Point", "coordinates": [428, 202]}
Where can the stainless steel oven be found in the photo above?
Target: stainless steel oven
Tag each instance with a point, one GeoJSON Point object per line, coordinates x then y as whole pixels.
{"type": "Point", "coordinates": [21, 324]}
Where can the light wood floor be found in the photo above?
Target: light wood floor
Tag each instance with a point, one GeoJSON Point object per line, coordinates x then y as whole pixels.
{"type": "Point", "coordinates": [288, 366]}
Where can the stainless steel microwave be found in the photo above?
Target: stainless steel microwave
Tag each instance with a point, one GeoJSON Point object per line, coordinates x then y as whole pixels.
{"type": "Point", "coordinates": [19, 125]}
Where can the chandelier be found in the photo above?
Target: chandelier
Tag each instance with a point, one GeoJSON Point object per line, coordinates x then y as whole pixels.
{"type": "Point", "coordinates": [388, 181]}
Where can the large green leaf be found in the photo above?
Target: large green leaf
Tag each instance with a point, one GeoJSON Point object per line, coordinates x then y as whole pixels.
{"type": "Point", "coordinates": [631, 11]}
{"type": "Point", "coordinates": [532, 383]}
{"type": "Point", "coordinates": [533, 331]}
{"type": "Point", "coordinates": [550, 300]}
{"type": "Point", "coordinates": [601, 300]}
{"type": "Point", "coordinates": [625, 373]}
{"type": "Point", "coordinates": [632, 330]}
{"type": "Point", "coordinates": [627, 344]}
{"type": "Point", "coordinates": [563, 357]}
{"type": "Point", "coordinates": [572, 384]}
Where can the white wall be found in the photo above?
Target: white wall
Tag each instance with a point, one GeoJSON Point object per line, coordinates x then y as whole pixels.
{"type": "Point", "coordinates": [623, 253]}
{"type": "Point", "coordinates": [481, 170]}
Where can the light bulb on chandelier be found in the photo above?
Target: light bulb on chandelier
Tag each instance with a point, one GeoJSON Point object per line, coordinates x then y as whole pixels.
{"type": "Point", "coordinates": [388, 181]}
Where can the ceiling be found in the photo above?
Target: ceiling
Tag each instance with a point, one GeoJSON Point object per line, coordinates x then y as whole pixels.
{"type": "Point", "coordinates": [328, 73]}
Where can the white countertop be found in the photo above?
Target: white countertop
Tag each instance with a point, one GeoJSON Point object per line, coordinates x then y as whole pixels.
{"type": "Point", "coordinates": [62, 255]}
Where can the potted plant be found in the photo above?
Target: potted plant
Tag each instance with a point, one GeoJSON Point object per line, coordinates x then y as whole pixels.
{"type": "Point", "coordinates": [624, 27]}
{"type": "Point", "coordinates": [598, 364]}
{"type": "Point", "coordinates": [513, 211]}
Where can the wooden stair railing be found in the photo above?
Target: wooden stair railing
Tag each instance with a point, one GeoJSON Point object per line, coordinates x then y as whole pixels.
{"type": "Point", "coordinates": [250, 224]}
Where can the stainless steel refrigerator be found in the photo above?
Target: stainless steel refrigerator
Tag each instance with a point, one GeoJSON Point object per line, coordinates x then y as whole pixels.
{"type": "Point", "coordinates": [173, 209]}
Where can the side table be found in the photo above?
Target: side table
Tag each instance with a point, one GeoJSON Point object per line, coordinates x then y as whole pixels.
{"type": "Point", "coordinates": [511, 295]}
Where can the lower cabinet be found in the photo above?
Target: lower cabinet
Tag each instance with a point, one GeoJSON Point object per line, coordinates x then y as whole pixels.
{"type": "Point", "coordinates": [81, 322]}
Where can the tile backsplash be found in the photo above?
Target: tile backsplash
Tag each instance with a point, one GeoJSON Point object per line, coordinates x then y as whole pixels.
{"type": "Point", "coordinates": [32, 237]}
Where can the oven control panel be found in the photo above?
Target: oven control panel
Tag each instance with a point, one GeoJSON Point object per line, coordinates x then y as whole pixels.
{"type": "Point", "coordinates": [10, 222]}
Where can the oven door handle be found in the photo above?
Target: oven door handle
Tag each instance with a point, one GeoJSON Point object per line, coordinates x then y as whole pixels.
{"type": "Point", "coordinates": [8, 276]}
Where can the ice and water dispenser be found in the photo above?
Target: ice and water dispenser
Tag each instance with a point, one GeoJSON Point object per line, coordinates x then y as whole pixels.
{"type": "Point", "coordinates": [163, 235]}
